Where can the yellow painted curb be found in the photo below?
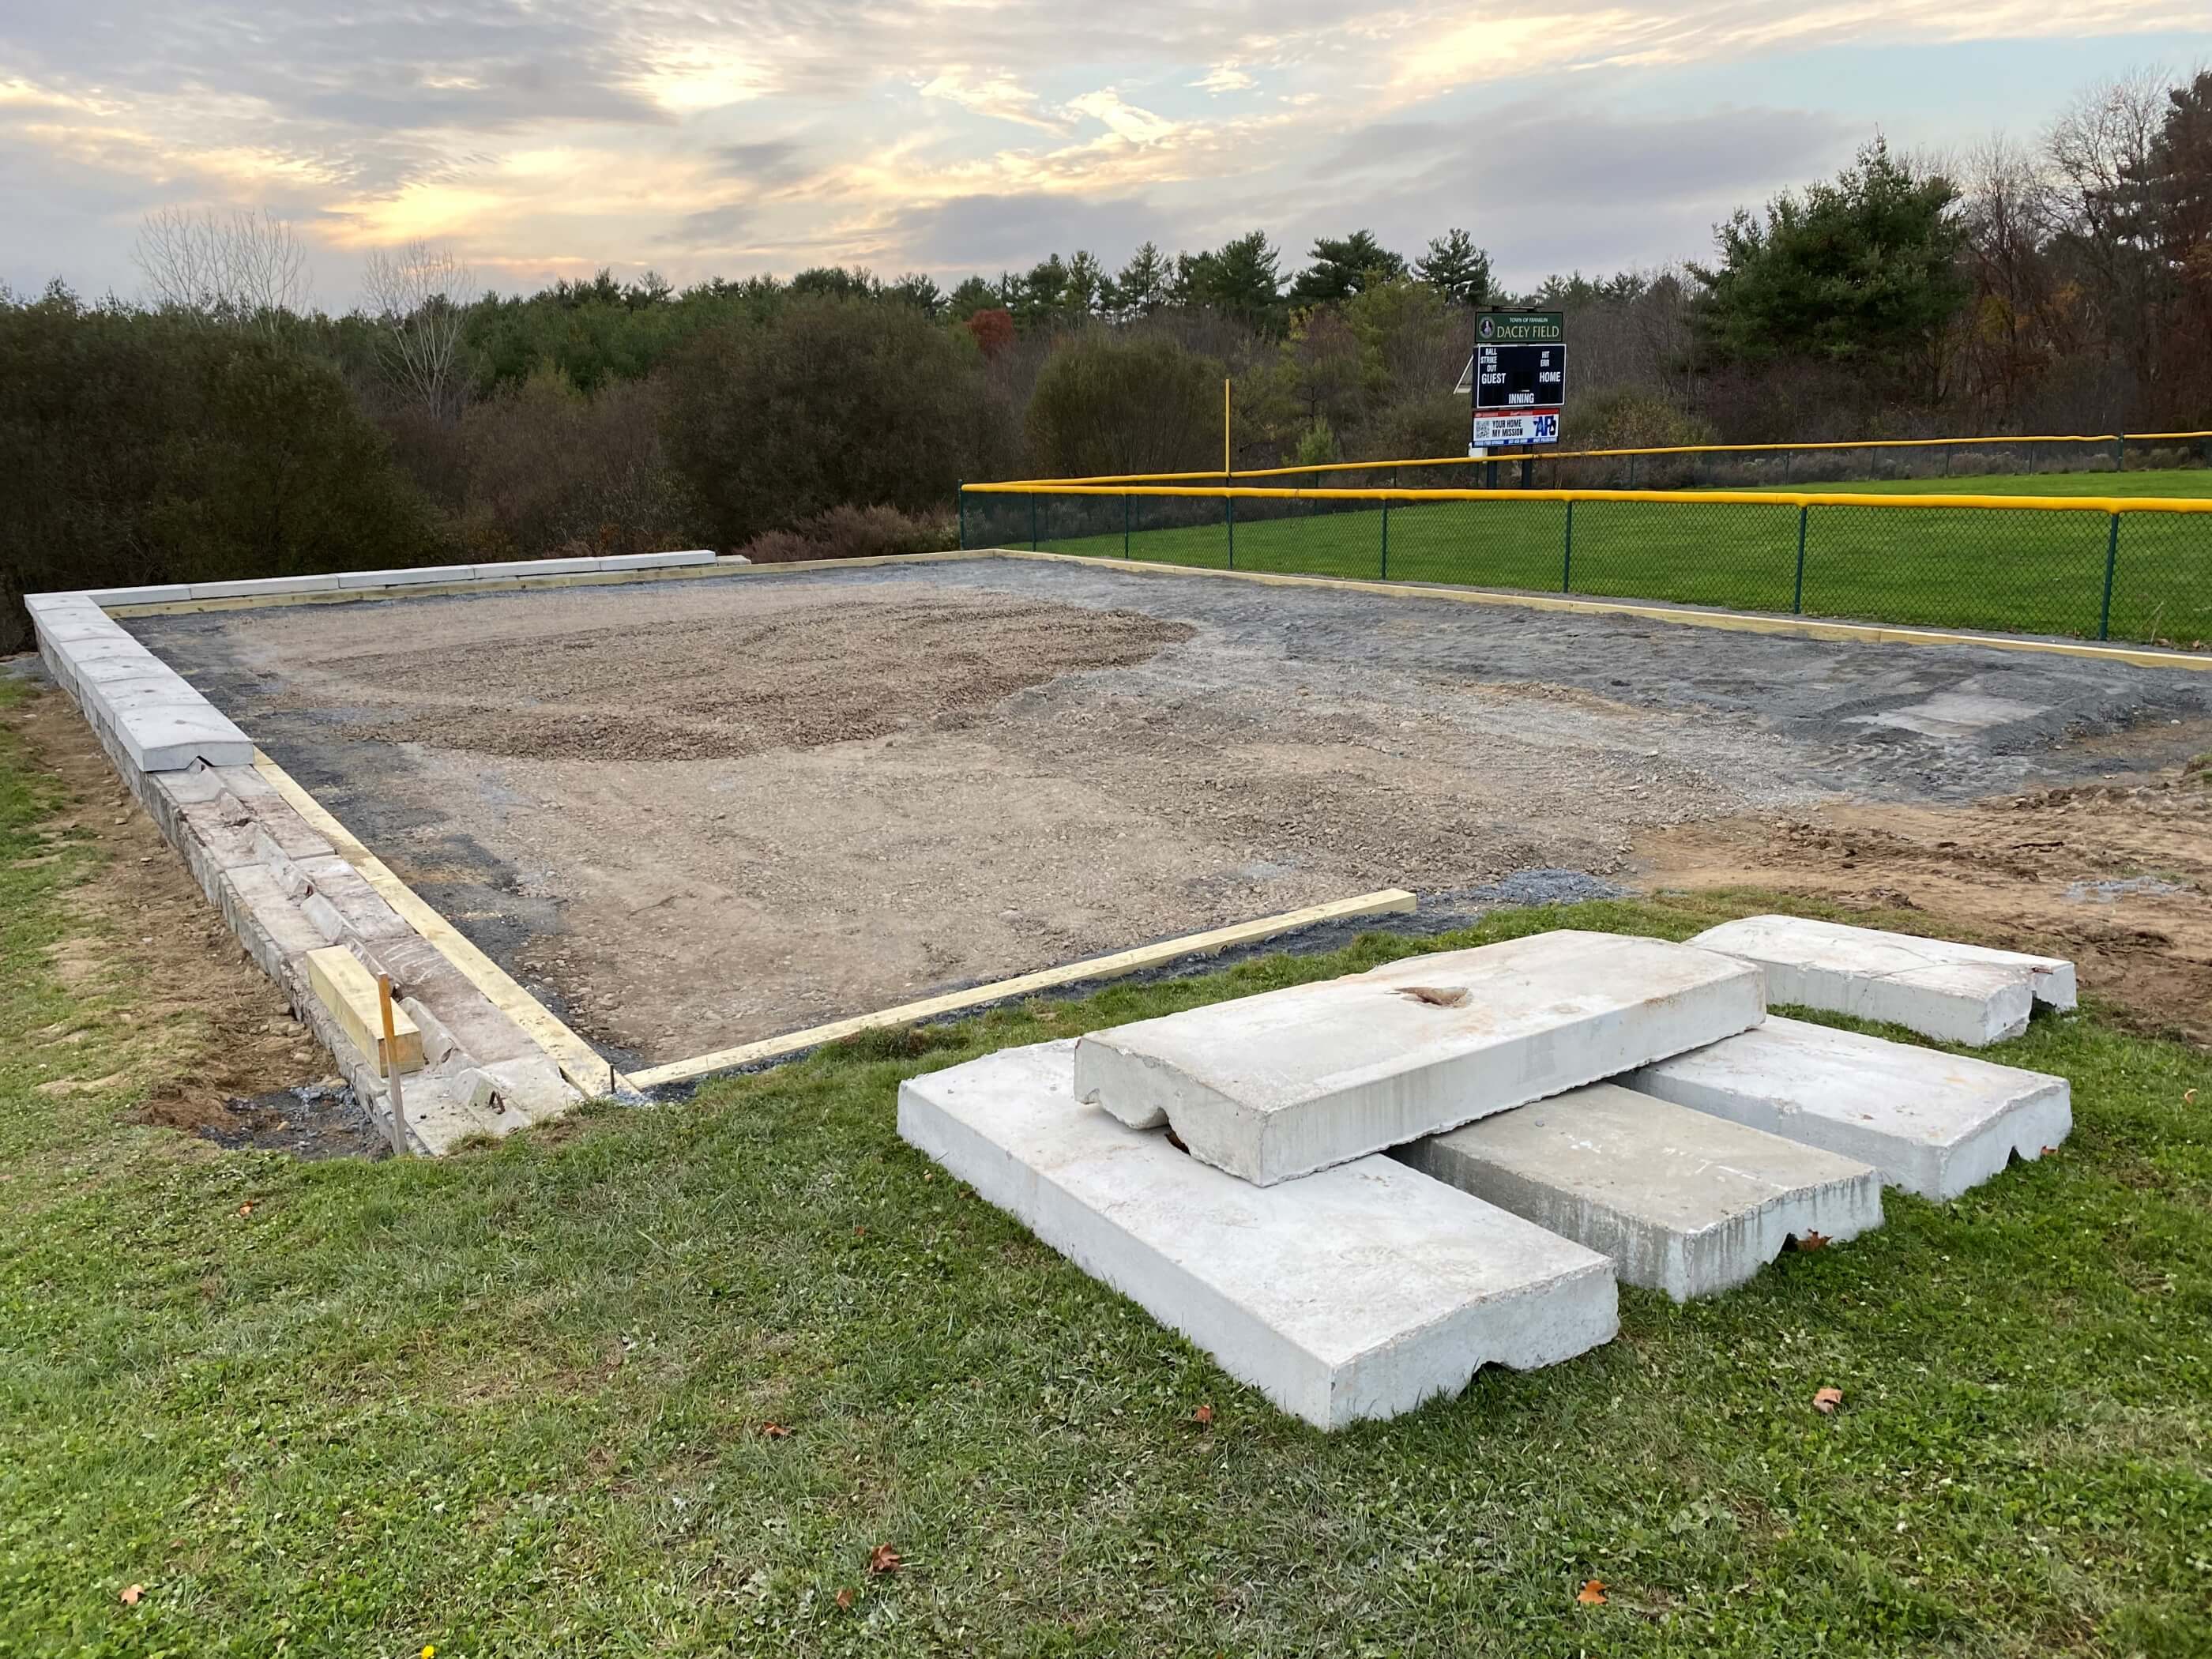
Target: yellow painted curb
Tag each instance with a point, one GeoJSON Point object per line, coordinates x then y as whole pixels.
{"type": "Point", "coordinates": [1389, 900]}
{"type": "Point", "coordinates": [578, 1060]}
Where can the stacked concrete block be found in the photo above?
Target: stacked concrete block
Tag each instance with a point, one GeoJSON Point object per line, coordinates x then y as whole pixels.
{"type": "Point", "coordinates": [1963, 994]}
{"type": "Point", "coordinates": [1932, 1123]}
{"type": "Point", "coordinates": [1278, 1085]}
{"type": "Point", "coordinates": [1683, 1202]}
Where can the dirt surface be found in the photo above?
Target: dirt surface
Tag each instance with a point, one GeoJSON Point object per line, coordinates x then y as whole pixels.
{"type": "Point", "coordinates": [213, 1030]}
{"type": "Point", "coordinates": [784, 798]}
{"type": "Point", "coordinates": [2116, 876]}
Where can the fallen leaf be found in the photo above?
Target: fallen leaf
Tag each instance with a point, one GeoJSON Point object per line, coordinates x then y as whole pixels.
{"type": "Point", "coordinates": [245, 1209]}
{"type": "Point", "coordinates": [1437, 996]}
{"type": "Point", "coordinates": [1203, 1416]}
{"type": "Point", "coordinates": [1825, 1401]}
{"type": "Point", "coordinates": [774, 1431]}
{"type": "Point", "coordinates": [844, 1598]}
{"type": "Point", "coordinates": [1592, 1593]}
{"type": "Point", "coordinates": [130, 1595]}
{"type": "Point", "coordinates": [1809, 1240]}
{"type": "Point", "coordinates": [2189, 1096]}
{"type": "Point", "coordinates": [883, 1560]}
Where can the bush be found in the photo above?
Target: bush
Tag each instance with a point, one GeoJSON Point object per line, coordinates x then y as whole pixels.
{"type": "Point", "coordinates": [826, 402]}
{"type": "Point", "coordinates": [549, 471]}
{"type": "Point", "coordinates": [855, 533]}
{"type": "Point", "coordinates": [1104, 405]}
{"type": "Point", "coordinates": [1429, 424]}
{"type": "Point", "coordinates": [140, 447]}
{"type": "Point", "coordinates": [1630, 418]}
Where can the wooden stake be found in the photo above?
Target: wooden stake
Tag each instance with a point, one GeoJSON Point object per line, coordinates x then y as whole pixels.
{"type": "Point", "coordinates": [388, 1062]}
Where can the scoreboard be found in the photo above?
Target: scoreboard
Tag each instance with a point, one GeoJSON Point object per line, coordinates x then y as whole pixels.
{"type": "Point", "coordinates": [1518, 376]}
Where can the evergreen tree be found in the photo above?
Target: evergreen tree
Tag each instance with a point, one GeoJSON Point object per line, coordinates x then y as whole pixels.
{"type": "Point", "coordinates": [1342, 266]}
{"type": "Point", "coordinates": [1141, 289]}
{"type": "Point", "coordinates": [975, 294]}
{"type": "Point", "coordinates": [1456, 269]}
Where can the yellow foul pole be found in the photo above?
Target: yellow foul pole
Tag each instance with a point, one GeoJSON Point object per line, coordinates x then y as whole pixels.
{"type": "Point", "coordinates": [1226, 470]}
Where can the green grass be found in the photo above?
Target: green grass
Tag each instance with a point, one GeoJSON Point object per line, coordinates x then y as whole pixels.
{"type": "Point", "coordinates": [2024, 572]}
{"type": "Point", "coordinates": [513, 1402]}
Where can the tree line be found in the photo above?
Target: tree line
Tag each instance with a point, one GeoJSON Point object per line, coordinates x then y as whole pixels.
{"type": "Point", "coordinates": [222, 426]}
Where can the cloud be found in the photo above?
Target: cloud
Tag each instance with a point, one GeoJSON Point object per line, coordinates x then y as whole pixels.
{"type": "Point", "coordinates": [988, 233]}
{"type": "Point", "coordinates": [562, 134]}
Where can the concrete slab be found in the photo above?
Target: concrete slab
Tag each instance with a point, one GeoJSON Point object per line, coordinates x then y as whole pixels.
{"type": "Point", "coordinates": [1932, 1123]}
{"type": "Point", "coordinates": [1277, 1086]}
{"type": "Point", "coordinates": [407, 578]}
{"type": "Point", "coordinates": [1682, 1201]}
{"type": "Point", "coordinates": [1953, 992]}
{"type": "Point", "coordinates": [1358, 1292]}
{"type": "Point", "coordinates": [584, 567]}
{"type": "Point", "coordinates": [656, 561]}
{"type": "Point", "coordinates": [161, 593]}
{"type": "Point", "coordinates": [159, 737]}
{"type": "Point", "coordinates": [252, 586]}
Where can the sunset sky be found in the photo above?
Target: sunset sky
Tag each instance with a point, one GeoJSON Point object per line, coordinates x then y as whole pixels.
{"type": "Point", "coordinates": [550, 137]}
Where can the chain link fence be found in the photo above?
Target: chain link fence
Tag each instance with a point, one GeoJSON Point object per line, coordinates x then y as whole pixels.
{"type": "Point", "coordinates": [2088, 567]}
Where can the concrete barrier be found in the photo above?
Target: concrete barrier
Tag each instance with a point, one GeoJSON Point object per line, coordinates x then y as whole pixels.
{"type": "Point", "coordinates": [1356, 1292]}
{"type": "Point", "coordinates": [1278, 1085]}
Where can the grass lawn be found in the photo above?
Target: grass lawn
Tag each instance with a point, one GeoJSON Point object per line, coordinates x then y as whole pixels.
{"type": "Point", "coordinates": [2026, 572]}
{"type": "Point", "coordinates": [519, 1401]}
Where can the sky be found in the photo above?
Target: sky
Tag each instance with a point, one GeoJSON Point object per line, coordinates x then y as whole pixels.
{"type": "Point", "coordinates": [546, 138]}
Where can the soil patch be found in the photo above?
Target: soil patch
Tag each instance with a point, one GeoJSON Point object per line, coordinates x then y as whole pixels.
{"type": "Point", "coordinates": [2115, 875]}
{"type": "Point", "coordinates": [215, 1025]}
{"type": "Point", "coordinates": [309, 1121]}
{"type": "Point", "coordinates": [731, 687]}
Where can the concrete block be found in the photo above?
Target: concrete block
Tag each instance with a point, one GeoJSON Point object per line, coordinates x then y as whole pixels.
{"type": "Point", "coordinates": [162, 737]}
{"type": "Point", "coordinates": [1932, 1123]}
{"type": "Point", "coordinates": [539, 568]}
{"type": "Point", "coordinates": [656, 561]}
{"type": "Point", "coordinates": [1953, 992]}
{"type": "Point", "coordinates": [1279, 1085]}
{"type": "Point", "coordinates": [268, 924]}
{"type": "Point", "coordinates": [530, 1089]}
{"type": "Point", "coordinates": [1358, 1292]}
{"type": "Point", "coordinates": [253, 586]}
{"type": "Point", "coordinates": [334, 896]}
{"type": "Point", "coordinates": [419, 575]}
{"type": "Point", "coordinates": [163, 593]}
{"type": "Point", "coordinates": [1683, 1202]}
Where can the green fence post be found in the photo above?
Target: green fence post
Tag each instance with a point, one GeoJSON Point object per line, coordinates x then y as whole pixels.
{"type": "Point", "coordinates": [1033, 517]}
{"type": "Point", "coordinates": [2119, 452]}
{"type": "Point", "coordinates": [1797, 594]}
{"type": "Point", "coordinates": [2111, 559]}
{"type": "Point", "coordinates": [1785, 466]}
{"type": "Point", "coordinates": [962, 492]}
{"type": "Point", "coordinates": [1229, 502]}
{"type": "Point", "coordinates": [1631, 472]}
{"type": "Point", "coordinates": [1125, 524]}
{"type": "Point", "coordinates": [1385, 538]}
{"type": "Point", "coordinates": [1567, 562]}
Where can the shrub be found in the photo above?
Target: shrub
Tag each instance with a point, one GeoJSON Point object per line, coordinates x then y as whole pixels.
{"type": "Point", "coordinates": [142, 447]}
{"type": "Point", "coordinates": [855, 533]}
{"type": "Point", "coordinates": [549, 471]}
{"type": "Point", "coordinates": [1428, 424]}
{"type": "Point", "coordinates": [825, 403]}
{"type": "Point", "coordinates": [1106, 405]}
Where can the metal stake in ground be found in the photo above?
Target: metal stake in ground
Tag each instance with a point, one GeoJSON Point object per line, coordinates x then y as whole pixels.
{"type": "Point", "coordinates": [391, 1058]}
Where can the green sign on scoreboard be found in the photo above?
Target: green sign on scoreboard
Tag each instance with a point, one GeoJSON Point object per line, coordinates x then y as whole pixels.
{"type": "Point", "coordinates": [1520, 327]}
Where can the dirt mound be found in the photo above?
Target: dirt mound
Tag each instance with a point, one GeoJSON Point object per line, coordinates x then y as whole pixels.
{"type": "Point", "coordinates": [730, 687]}
{"type": "Point", "coordinates": [2116, 876]}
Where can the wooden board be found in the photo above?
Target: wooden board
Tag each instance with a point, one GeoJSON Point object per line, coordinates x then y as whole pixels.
{"type": "Point", "coordinates": [349, 990]}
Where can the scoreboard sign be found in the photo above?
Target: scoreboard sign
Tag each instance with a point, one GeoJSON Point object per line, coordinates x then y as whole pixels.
{"type": "Point", "coordinates": [1518, 376]}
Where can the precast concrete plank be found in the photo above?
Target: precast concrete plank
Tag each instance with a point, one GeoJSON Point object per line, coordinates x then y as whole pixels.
{"type": "Point", "coordinates": [1277, 1086]}
{"type": "Point", "coordinates": [1683, 1201]}
{"type": "Point", "coordinates": [1358, 1292]}
{"type": "Point", "coordinates": [1953, 992]}
{"type": "Point", "coordinates": [1932, 1123]}
{"type": "Point", "coordinates": [413, 575]}
{"type": "Point", "coordinates": [162, 737]}
{"type": "Point", "coordinates": [253, 586]}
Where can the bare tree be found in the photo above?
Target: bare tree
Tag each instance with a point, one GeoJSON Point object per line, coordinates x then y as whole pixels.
{"type": "Point", "coordinates": [241, 267]}
{"type": "Point", "coordinates": [418, 294]}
